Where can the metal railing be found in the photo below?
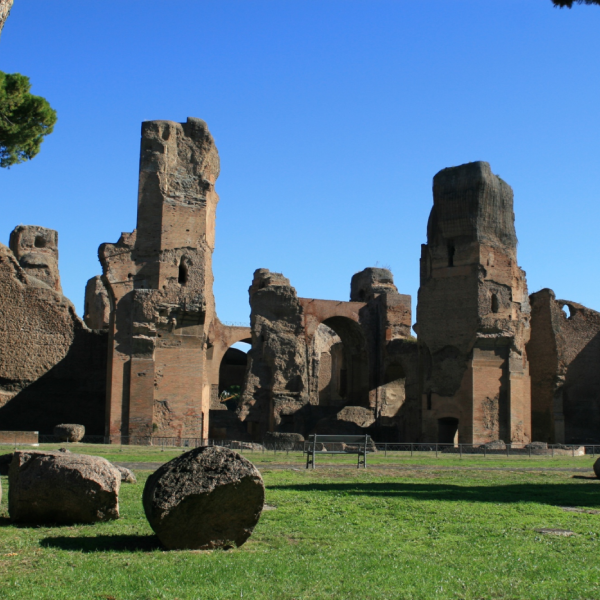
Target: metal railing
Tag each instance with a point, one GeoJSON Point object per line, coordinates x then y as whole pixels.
{"type": "Point", "coordinates": [488, 450]}
{"type": "Point", "coordinates": [383, 450]}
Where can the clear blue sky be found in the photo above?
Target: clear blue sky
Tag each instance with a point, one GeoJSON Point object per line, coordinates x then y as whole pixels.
{"type": "Point", "coordinates": [331, 118]}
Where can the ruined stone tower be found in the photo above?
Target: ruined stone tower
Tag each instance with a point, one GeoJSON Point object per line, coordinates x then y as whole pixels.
{"type": "Point", "coordinates": [473, 313]}
{"type": "Point", "coordinates": [160, 281]}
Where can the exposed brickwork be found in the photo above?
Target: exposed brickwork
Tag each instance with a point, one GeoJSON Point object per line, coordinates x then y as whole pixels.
{"type": "Point", "coordinates": [564, 352]}
{"type": "Point", "coordinates": [96, 304]}
{"type": "Point", "coordinates": [324, 365]}
{"type": "Point", "coordinates": [160, 278]}
{"type": "Point", "coordinates": [166, 341]}
{"type": "Point", "coordinates": [315, 365]}
{"type": "Point", "coordinates": [473, 313]}
{"type": "Point", "coordinates": [19, 437]}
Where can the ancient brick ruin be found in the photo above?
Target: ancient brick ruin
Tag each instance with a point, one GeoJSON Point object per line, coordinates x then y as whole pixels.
{"type": "Point", "coordinates": [473, 313]}
{"type": "Point", "coordinates": [329, 366]}
{"type": "Point", "coordinates": [165, 340]}
{"type": "Point", "coordinates": [564, 352]}
{"type": "Point", "coordinates": [151, 358]}
{"type": "Point", "coordinates": [52, 367]}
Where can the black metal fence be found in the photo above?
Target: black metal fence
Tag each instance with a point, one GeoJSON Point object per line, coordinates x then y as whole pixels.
{"type": "Point", "coordinates": [384, 450]}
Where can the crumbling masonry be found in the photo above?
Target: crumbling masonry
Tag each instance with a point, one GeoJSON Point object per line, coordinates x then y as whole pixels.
{"type": "Point", "coordinates": [152, 357]}
{"type": "Point", "coordinates": [473, 313]}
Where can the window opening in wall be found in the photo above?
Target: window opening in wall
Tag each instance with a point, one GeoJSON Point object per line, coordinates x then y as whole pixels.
{"type": "Point", "coordinates": [183, 273]}
{"type": "Point", "coordinates": [451, 252]}
{"type": "Point", "coordinates": [567, 310]}
{"type": "Point", "coordinates": [428, 400]}
{"type": "Point", "coordinates": [40, 242]}
{"type": "Point", "coordinates": [495, 304]}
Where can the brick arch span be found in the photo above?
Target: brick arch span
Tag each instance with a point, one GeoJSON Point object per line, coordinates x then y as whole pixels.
{"type": "Point", "coordinates": [353, 366]}
{"type": "Point", "coordinates": [221, 338]}
{"type": "Point", "coordinates": [316, 311]}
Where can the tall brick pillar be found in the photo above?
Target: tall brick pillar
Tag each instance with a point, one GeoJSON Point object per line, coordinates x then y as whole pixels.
{"type": "Point", "coordinates": [160, 281]}
{"type": "Point", "coordinates": [473, 313]}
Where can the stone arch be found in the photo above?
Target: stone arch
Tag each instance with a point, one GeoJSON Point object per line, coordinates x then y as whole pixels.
{"type": "Point", "coordinates": [350, 379]}
{"type": "Point", "coordinates": [232, 369]}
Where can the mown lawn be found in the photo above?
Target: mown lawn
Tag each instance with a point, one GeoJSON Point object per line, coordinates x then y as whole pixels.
{"type": "Point", "coordinates": [337, 533]}
{"type": "Point", "coordinates": [156, 454]}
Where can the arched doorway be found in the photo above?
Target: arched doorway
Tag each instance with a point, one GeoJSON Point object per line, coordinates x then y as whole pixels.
{"type": "Point", "coordinates": [232, 372]}
{"type": "Point", "coordinates": [224, 423]}
{"type": "Point", "coordinates": [340, 372]}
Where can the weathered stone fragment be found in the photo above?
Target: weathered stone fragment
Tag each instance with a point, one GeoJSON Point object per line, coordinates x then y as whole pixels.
{"type": "Point", "coordinates": [473, 313]}
{"type": "Point", "coordinates": [97, 304]}
{"type": "Point", "coordinates": [283, 441]}
{"type": "Point", "coordinates": [127, 476]}
{"type": "Point", "coordinates": [494, 445]}
{"type": "Point", "coordinates": [210, 497]}
{"type": "Point", "coordinates": [537, 446]}
{"type": "Point", "coordinates": [36, 249]}
{"type": "Point", "coordinates": [68, 432]}
{"type": "Point", "coordinates": [564, 353]}
{"type": "Point", "coordinates": [54, 487]}
{"type": "Point", "coordinates": [276, 382]}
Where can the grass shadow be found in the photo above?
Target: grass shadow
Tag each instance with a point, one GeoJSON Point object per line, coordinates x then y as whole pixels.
{"type": "Point", "coordinates": [104, 543]}
{"type": "Point", "coordinates": [568, 494]}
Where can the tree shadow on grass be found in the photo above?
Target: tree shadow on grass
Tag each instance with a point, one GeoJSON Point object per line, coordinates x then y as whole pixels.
{"type": "Point", "coordinates": [564, 494]}
{"type": "Point", "coordinates": [7, 522]}
{"type": "Point", "coordinates": [104, 543]}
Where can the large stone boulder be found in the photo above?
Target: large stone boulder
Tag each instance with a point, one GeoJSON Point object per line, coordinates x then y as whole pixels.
{"type": "Point", "coordinates": [597, 468]}
{"type": "Point", "coordinates": [494, 445]}
{"type": "Point", "coordinates": [537, 446]}
{"type": "Point", "coordinates": [54, 487]}
{"type": "Point", "coordinates": [127, 476]}
{"type": "Point", "coordinates": [210, 497]}
{"type": "Point", "coordinates": [283, 441]}
{"type": "Point", "coordinates": [68, 432]}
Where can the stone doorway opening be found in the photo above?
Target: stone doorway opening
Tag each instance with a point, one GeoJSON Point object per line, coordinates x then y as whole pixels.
{"type": "Point", "coordinates": [448, 431]}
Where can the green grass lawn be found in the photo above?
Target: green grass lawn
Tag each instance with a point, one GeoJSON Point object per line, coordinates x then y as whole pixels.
{"type": "Point", "coordinates": [140, 454]}
{"type": "Point", "coordinates": [337, 533]}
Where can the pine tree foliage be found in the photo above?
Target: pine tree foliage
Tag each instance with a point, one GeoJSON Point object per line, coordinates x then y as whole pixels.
{"type": "Point", "coordinates": [569, 3]}
{"type": "Point", "coordinates": [25, 120]}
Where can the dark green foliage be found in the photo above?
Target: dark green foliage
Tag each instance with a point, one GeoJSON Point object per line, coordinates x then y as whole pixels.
{"type": "Point", "coordinates": [569, 3]}
{"type": "Point", "coordinates": [24, 120]}
{"type": "Point", "coordinates": [231, 396]}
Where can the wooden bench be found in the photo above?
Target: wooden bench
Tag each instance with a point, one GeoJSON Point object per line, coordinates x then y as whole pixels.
{"type": "Point", "coordinates": [337, 444]}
